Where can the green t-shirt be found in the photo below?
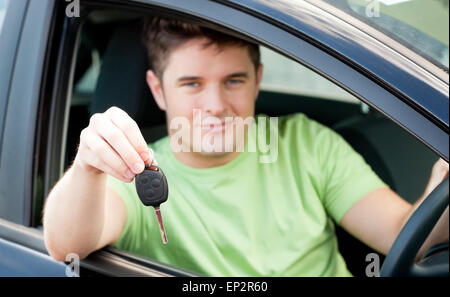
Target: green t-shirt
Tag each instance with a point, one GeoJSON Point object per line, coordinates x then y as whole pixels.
{"type": "Point", "coordinates": [248, 218]}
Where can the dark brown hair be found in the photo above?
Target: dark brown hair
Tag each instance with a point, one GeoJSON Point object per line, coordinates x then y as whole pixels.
{"type": "Point", "coordinates": [162, 35]}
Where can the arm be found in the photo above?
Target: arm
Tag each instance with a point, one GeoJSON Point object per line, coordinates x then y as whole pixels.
{"type": "Point", "coordinates": [378, 217]}
{"type": "Point", "coordinates": [81, 215]}
{"type": "Point", "coordinates": [78, 214]}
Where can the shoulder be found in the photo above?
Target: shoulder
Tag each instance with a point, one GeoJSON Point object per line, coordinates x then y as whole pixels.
{"type": "Point", "coordinates": [301, 127]}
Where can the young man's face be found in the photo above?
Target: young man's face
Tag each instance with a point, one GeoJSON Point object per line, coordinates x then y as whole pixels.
{"type": "Point", "coordinates": [215, 82]}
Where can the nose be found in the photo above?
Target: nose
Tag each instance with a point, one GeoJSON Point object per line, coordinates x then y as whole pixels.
{"type": "Point", "coordinates": [214, 102]}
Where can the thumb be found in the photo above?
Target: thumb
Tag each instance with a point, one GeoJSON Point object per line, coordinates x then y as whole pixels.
{"type": "Point", "coordinates": [151, 160]}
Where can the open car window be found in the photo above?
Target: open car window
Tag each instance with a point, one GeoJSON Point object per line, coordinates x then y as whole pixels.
{"type": "Point", "coordinates": [105, 76]}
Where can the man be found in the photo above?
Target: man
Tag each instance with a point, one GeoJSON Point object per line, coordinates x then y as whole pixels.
{"type": "Point", "coordinates": [228, 214]}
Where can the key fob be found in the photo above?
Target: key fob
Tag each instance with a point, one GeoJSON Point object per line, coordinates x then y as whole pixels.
{"type": "Point", "coordinates": [151, 186]}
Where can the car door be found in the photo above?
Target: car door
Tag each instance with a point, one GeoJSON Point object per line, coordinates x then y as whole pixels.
{"type": "Point", "coordinates": [36, 113]}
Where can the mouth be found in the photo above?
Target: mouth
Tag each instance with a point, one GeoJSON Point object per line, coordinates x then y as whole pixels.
{"type": "Point", "coordinates": [215, 127]}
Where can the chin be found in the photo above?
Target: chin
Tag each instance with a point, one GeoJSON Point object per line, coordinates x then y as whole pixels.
{"type": "Point", "coordinates": [214, 154]}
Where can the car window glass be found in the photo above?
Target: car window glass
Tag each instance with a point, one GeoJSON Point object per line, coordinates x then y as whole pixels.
{"type": "Point", "coordinates": [284, 76]}
{"type": "Point", "coordinates": [422, 26]}
{"type": "Point", "coordinates": [3, 7]}
{"type": "Point", "coordinates": [87, 71]}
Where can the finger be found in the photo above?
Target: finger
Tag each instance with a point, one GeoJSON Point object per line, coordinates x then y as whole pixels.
{"type": "Point", "coordinates": [441, 168]}
{"type": "Point", "coordinates": [119, 142]}
{"type": "Point", "coordinates": [130, 129]}
{"type": "Point", "coordinates": [151, 159]}
{"type": "Point", "coordinates": [102, 156]}
{"type": "Point", "coordinates": [118, 175]}
{"type": "Point", "coordinates": [445, 167]}
{"type": "Point", "coordinates": [444, 163]}
{"type": "Point", "coordinates": [103, 166]}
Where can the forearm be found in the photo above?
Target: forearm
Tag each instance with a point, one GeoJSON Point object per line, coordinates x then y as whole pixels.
{"type": "Point", "coordinates": [74, 213]}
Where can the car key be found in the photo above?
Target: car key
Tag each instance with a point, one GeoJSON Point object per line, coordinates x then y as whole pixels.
{"type": "Point", "coordinates": [152, 189]}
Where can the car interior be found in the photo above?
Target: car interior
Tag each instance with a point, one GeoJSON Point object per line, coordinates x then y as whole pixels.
{"type": "Point", "coordinates": [110, 71]}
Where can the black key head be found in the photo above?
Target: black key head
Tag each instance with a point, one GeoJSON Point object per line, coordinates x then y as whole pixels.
{"type": "Point", "coordinates": [151, 186]}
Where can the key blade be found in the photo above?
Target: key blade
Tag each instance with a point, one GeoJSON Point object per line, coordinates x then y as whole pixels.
{"type": "Point", "coordinates": [161, 225]}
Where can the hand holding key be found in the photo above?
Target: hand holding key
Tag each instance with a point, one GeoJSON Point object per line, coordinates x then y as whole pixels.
{"type": "Point", "coordinates": [113, 144]}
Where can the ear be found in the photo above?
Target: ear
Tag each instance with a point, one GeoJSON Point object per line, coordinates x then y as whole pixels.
{"type": "Point", "coordinates": [259, 74]}
{"type": "Point", "coordinates": [155, 86]}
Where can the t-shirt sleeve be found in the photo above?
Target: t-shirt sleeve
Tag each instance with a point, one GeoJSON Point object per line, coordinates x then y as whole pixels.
{"type": "Point", "coordinates": [129, 238]}
{"type": "Point", "coordinates": [346, 177]}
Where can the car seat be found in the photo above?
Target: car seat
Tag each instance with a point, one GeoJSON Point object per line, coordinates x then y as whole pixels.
{"type": "Point", "coordinates": [402, 161]}
{"type": "Point", "coordinates": [396, 157]}
{"type": "Point", "coordinates": [122, 82]}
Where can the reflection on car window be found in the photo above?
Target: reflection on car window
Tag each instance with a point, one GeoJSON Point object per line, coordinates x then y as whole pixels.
{"type": "Point", "coordinates": [85, 87]}
{"type": "Point", "coordinates": [283, 76]}
{"type": "Point", "coordinates": [3, 7]}
{"type": "Point", "coordinates": [422, 26]}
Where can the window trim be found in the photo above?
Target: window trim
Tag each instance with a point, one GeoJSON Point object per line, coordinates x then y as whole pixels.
{"type": "Point", "coordinates": [397, 44]}
{"type": "Point", "coordinates": [9, 39]}
{"type": "Point", "coordinates": [107, 262]}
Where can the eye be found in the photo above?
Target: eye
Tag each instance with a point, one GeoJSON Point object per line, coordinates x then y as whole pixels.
{"type": "Point", "coordinates": [233, 82]}
{"type": "Point", "coordinates": [191, 84]}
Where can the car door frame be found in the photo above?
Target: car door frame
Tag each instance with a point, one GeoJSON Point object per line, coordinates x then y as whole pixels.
{"type": "Point", "coordinates": [22, 62]}
{"type": "Point", "coordinates": [9, 38]}
{"type": "Point", "coordinates": [256, 25]}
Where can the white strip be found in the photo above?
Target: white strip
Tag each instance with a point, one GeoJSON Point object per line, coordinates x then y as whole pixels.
{"type": "Point", "coordinates": [2, 17]}
{"type": "Point", "coordinates": [342, 96]}
{"type": "Point", "coordinates": [392, 2]}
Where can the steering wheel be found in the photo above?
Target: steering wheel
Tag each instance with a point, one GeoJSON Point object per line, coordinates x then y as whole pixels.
{"type": "Point", "coordinates": [400, 259]}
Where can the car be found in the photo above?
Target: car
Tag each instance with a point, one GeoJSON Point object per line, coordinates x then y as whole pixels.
{"type": "Point", "coordinates": [370, 70]}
